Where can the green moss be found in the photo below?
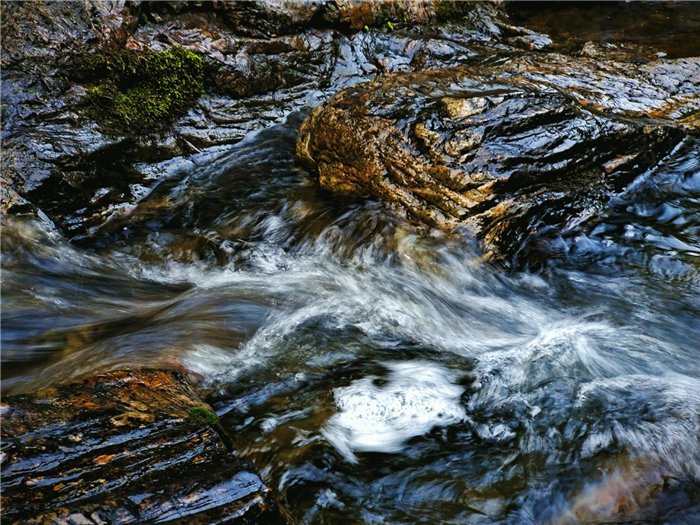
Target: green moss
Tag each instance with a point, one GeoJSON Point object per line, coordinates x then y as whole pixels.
{"type": "Point", "coordinates": [451, 10]}
{"type": "Point", "coordinates": [200, 416]}
{"type": "Point", "coordinates": [402, 13]}
{"type": "Point", "coordinates": [445, 10]}
{"type": "Point", "coordinates": [140, 92]}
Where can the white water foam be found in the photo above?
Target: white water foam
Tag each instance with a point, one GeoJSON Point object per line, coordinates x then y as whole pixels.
{"type": "Point", "coordinates": [417, 396]}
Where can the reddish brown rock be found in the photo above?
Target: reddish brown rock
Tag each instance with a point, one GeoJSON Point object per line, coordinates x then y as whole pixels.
{"type": "Point", "coordinates": [125, 447]}
{"type": "Point", "coordinates": [630, 490]}
{"type": "Point", "coordinates": [357, 14]}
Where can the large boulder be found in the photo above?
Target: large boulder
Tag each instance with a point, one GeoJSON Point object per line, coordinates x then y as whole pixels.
{"type": "Point", "coordinates": [511, 149]}
{"type": "Point", "coordinates": [125, 447]}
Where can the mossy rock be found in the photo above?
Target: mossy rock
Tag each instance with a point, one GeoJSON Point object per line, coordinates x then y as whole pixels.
{"type": "Point", "coordinates": [200, 416]}
{"type": "Point", "coordinates": [453, 11]}
{"type": "Point", "coordinates": [142, 92]}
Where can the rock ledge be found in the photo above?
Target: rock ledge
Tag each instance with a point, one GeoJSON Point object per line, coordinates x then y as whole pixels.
{"type": "Point", "coordinates": [124, 447]}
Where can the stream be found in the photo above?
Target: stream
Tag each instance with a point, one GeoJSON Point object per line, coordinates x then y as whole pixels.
{"type": "Point", "coordinates": [381, 372]}
{"type": "Point", "coordinates": [377, 373]}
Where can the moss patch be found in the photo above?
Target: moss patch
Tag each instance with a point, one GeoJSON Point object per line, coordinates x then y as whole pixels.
{"type": "Point", "coordinates": [200, 416]}
{"type": "Point", "coordinates": [452, 11]}
{"type": "Point", "coordinates": [142, 92]}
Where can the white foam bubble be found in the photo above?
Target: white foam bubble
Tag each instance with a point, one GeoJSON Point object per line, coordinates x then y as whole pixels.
{"type": "Point", "coordinates": [415, 397]}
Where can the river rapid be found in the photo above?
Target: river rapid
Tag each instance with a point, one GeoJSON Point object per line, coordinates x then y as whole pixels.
{"type": "Point", "coordinates": [378, 372]}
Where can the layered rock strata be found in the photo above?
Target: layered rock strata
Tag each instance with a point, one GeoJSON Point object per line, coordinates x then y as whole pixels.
{"type": "Point", "coordinates": [125, 447]}
{"type": "Point", "coordinates": [522, 146]}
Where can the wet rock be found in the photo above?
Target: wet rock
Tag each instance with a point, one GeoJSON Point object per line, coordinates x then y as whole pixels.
{"type": "Point", "coordinates": [61, 164]}
{"type": "Point", "coordinates": [125, 447]}
{"type": "Point", "coordinates": [631, 490]}
{"type": "Point", "coordinates": [39, 40]}
{"type": "Point", "coordinates": [356, 15]}
{"type": "Point", "coordinates": [269, 19]}
{"type": "Point", "coordinates": [530, 146]}
{"type": "Point", "coordinates": [44, 34]}
{"type": "Point", "coordinates": [242, 67]}
{"type": "Point", "coordinates": [49, 143]}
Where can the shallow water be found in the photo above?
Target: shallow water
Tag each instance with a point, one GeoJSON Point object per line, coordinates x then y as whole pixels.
{"type": "Point", "coordinates": [672, 27]}
{"type": "Point", "coordinates": [382, 373]}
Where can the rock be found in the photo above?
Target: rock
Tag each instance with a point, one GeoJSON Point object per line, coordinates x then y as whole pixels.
{"type": "Point", "coordinates": [39, 40]}
{"type": "Point", "coordinates": [355, 15]}
{"type": "Point", "coordinates": [531, 145]}
{"type": "Point", "coordinates": [631, 490]}
{"type": "Point", "coordinates": [256, 74]}
{"type": "Point", "coordinates": [262, 19]}
{"type": "Point", "coordinates": [45, 34]}
{"type": "Point", "coordinates": [125, 447]}
{"type": "Point", "coordinates": [241, 67]}
{"type": "Point", "coordinates": [60, 164]}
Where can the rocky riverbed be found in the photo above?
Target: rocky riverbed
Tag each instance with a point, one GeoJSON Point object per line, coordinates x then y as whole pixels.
{"type": "Point", "coordinates": [370, 262]}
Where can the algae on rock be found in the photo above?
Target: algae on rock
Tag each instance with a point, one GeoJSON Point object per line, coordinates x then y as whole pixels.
{"type": "Point", "coordinates": [200, 416]}
{"type": "Point", "coordinates": [140, 92]}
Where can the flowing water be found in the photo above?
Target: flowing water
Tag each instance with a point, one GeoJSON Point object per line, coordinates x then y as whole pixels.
{"type": "Point", "coordinates": [380, 373]}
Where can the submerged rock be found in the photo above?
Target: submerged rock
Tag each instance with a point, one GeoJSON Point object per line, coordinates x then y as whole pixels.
{"type": "Point", "coordinates": [631, 490]}
{"type": "Point", "coordinates": [523, 146]}
{"type": "Point", "coordinates": [125, 447]}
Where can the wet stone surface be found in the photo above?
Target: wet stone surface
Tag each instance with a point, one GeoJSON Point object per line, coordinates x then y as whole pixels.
{"type": "Point", "coordinates": [262, 62]}
{"type": "Point", "coordinates": [125, 447]}
{"type": "Point", "coordinates": [528, 145]}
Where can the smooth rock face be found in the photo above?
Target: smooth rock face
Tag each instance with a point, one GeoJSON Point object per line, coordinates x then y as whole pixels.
{"type": "Point", "coordinates": [120, 448]}
{"type": "Point", "coordinates": [509, 150]}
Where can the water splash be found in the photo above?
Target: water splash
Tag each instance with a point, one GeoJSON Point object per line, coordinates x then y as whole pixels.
{"type": "Point", "coordinates": [381, 414]}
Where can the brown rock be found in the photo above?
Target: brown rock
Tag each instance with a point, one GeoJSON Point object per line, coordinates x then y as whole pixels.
{"type": "Point", "coordinates": [268, 19]}
{"type": "Point", "coordinates": [535, 142]}
{"type": "Point", "coordinates": [357, 14]}
{"type": "Point", "coordinates": [630, 490]}
{"type": "Point", "coordinates": [125, 447]}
